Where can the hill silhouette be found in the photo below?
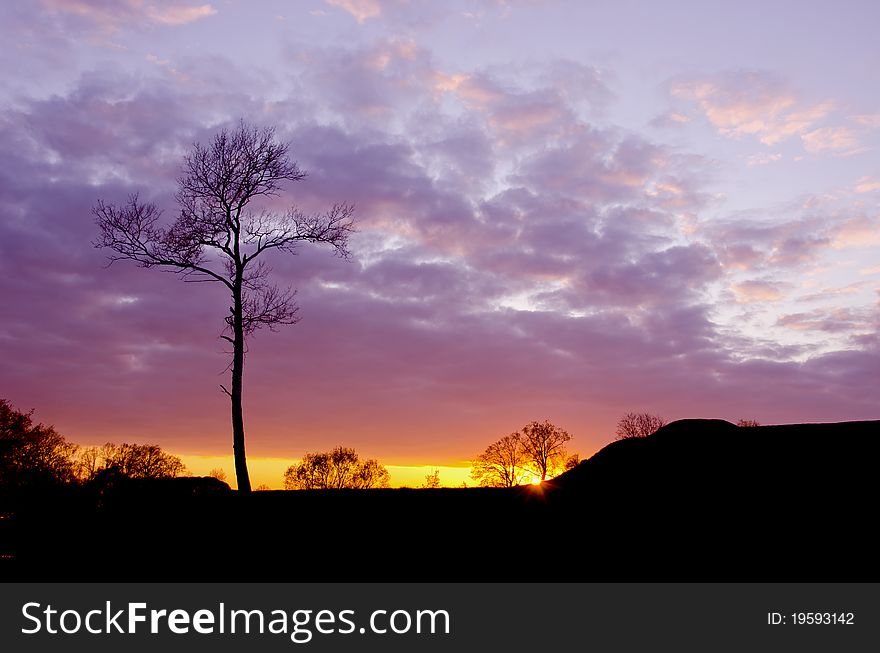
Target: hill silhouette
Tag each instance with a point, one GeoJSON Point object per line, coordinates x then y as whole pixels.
{"type": "Point", "coordinates": [700, 500]}
{"type": "Point", "coordinates": [725, 457]}
{"type": "Point", "coordinates": [708, 498]}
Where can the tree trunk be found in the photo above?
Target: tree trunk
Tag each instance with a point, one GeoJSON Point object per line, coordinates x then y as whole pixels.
{"type": "Point", "coordinates": [241, 470]}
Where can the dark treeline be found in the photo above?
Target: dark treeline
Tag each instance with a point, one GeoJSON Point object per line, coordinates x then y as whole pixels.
{"type": "Point", "coordinates": [697, 500]}
{"type": "Point", "coordinates": [34, 456]}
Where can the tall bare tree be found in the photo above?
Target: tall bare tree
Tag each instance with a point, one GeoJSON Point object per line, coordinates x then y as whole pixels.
{"type": "Point", "coordinates": [544, 446]}
{"type": "Point", "coordinates": [221, 233]}
{"type": "Point", "coordinates": [638, 425]}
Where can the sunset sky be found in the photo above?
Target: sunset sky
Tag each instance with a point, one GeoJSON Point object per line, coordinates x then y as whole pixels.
{"type": "Point", "coordinates": [566, 211]}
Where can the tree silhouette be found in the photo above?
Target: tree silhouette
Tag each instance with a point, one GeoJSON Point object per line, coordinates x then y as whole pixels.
{"type": "Point", "coordinates": [219, 237]}
{"type": "Point", "coordinates": [747, 423]}
{"type": "Point", "coordinates": [638, 425]}
{"type": "Point", "coordinates": [501, 464]}
{"type": "Point", "coordinates": [544, 446]}
{"type": "Point", "coordinates": [432, 480]}
{"type": "Point", "coordinates": [337, 469]}
{"type": "Point", "coordinates": [32, 454]}
{"type": "Point", "coordinates": [370, 474]}
{"type": "Point", "coordinates": [218, 473]}
{"type": "Point", "coordinates": [537, 450]}
{"type": "Point", "coordinates": [130, 460]}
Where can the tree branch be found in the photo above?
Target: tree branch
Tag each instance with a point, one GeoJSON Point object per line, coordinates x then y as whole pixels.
{"type": "Point", "coordinates": [131, 231]}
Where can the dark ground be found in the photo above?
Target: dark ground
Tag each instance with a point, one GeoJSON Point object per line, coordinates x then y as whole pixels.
{"type": "Point", "coordinates": [700, 500]}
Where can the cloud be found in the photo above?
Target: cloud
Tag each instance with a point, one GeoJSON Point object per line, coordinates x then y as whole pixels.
{"type": "Point", "coordinates": [179, 14]}
{"type": "Point", "coordinates": [859, 231]}
{"type": "Point", "coordinates": [750, 103]}
{"type": "Point", "coordinates": [869, 120]}
{"type": "Point", "coordinates": [763, 159]}
{"type": "Point", "coordinates": [840, 140]}
{"type": "Point", "coordinates": [592, 165]}
{"type": "Point", "coordinates": [825, 293]}
{"type": "Point", "coordinates": [361, 9]}
{"type": "Point", "coordinates": [542, 105]}
{"type": "Point", "coordinates": [366, 85]}
{"type": "Point", "coordinates": [422, 305]}
{"type": "Point", "coordinates": [670, 119]}
{"type": "Point", "coordinates": [513, 260]}
{"type": "Point", "coordinates": [867, 185]}
{"type": "Point", "coordinates": [783, 243]}
{"type": "Point", "coordinates": [112, 15]}
{"type": "Point", "coordinates": [831, 320]}
{"type": "Point", "coordinates": [421, 13]}
{"type": "Point", "coordinates": [757, 290]}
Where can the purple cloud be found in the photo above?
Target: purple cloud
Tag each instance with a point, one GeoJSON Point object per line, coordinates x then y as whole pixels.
{"type": "Point", "coordinates": [519, 257]}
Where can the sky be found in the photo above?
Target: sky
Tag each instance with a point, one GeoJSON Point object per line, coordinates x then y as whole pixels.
{"type": "Point", "coordinates": [565, 211]}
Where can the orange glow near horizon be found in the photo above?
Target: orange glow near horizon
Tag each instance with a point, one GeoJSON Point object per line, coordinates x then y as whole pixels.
{"type": "Point", "coordinates": [270, 471]}
{"type": "Point", "coordinates": [267, 471]}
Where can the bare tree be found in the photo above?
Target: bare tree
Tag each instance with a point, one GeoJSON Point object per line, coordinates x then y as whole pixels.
{"type": "Point", "coordinates": [370, 474]}
{"type": "Point", "coordinates": [218, 473]}
{"type": "Point", "coordinates": [572, 461]}
{"type": "Point", "coordinates": [219, 237]}
{"type": "Point", "coordinates": [337, 469]}
{"type": "Point", "coordinates": [432, 480]}
{"type": "Point", "coordinates": [544, 447]}
{"type": "Point", "coordinates": [501, 464]}
{"type": "Point", "coordinates": [638, 425]}
{"type": "Point", "coordinates": [136, 461]}
{"type": "Point", "coordinates": [87, 463]}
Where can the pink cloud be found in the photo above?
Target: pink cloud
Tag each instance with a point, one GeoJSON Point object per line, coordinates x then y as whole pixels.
{"type": "Point", "coordinates": [592, 165]}
{"type": "Point", "coordinates": [670, 119]}
{"type": "Point", "coordinates": [867, 184]}
{"type": "Point", "coordinates": [832, 320]}
{"type": "Point", "coordinates": [361, 9]}
{"type": "Point", "coordinates": [419, 13]}
{"type": "Point", "coordinates": [544, 105]}
{"type": "Point", "coordinates": [179, 14]}
{"type": "Point", "coordinates": [763, 159]}
{"type": "Point", "coordinates": [756, 290]}
{"type": "Point", "coordinates": [840, 140]}
{"type": "Point", "coordinates": [859, 231]}
{"type": "Point", "coordinates": [750, 103]}
{"type": "Point", "coordinates": [759, 244]}
{"type": "Point", "coordinates": [114, 15]}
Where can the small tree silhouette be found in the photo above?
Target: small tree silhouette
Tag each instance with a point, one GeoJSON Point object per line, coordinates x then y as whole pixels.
{"type": "Point", "coordinates": [129, 460]}
{"type": "Point", "coordinates": [218, 473]}
{"type": "Point", "coordinates": [501, 464]}
{"type": "Point", "coordinates": [638, 425]}
{"type": "Point", "coordinates": [432, 480]}
{"type": "Point", "coordinates": [544, 446]}
{"type": "Point", "coordinates": [217, 237]}
{"type": "Point", "coordinates": [337, 469]}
